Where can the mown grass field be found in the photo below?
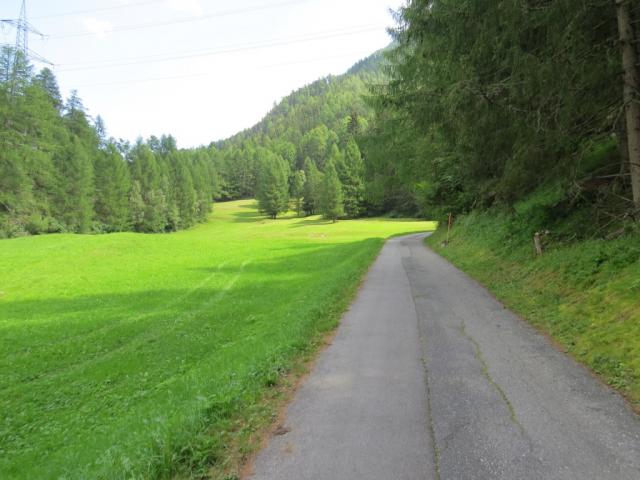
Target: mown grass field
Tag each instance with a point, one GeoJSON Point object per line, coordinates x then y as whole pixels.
{"type": "Point", "coordinates": [584, 294]}
{"type": "Point", "coordinates": [125, 355]}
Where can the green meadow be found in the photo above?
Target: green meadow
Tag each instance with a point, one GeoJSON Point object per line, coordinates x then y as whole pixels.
{"type": "Point", "coordinates": [125, 355]}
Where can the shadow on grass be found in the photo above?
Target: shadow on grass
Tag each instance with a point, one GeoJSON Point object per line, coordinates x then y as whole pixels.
{"type": "Point", "coordinates": [250, 206]}
{"type": "Point", "coordinates": [87, 358]}
{"type": "Point", "coordinates": [312, 221]}
{"type": "Point", "coordinates": [252, 216]}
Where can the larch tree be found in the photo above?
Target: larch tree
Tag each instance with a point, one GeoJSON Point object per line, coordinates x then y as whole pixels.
{"type": "Point", "coordinates": [331, 200]}
{"type": "Point", "coordinates": [113, 185]}
{"type": "Point", "coordinates": [350, 168]}
{"type": "Point", "coordinates": [273, 188]}
{"type": "Point", "coordinates": [312, 187]}
{"type": "Point", "coordinates": [297, 182]}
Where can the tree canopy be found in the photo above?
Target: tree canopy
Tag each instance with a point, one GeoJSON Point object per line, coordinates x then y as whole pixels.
{"type": "Point", "coordinates": [60, 173]}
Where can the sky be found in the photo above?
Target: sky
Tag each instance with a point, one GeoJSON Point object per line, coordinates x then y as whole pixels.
{"type": "Point", "coordinates": [200, 70]}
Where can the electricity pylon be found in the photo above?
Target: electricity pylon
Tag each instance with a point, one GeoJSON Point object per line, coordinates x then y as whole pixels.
{"type": "Point", "coordinates": [23, 29]}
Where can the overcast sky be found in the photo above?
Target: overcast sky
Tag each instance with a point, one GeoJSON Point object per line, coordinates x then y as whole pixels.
{"type": "Point", "coordinates": [198, 69]}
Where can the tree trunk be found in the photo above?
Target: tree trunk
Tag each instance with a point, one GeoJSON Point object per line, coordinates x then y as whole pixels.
{"type": "Point", "coordinates": [631, 95]}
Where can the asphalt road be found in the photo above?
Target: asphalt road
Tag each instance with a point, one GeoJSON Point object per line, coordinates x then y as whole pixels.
{"type": "Point", "coordinates": [429, 377]}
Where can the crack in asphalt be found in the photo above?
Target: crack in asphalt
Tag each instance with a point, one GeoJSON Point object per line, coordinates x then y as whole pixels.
{"type": "Point", "coordinates": [484, 368]}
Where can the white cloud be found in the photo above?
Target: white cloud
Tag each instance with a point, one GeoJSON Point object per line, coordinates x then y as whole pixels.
{"type": "Point", "coordinates": [97, 27]}
{"type": "Point", "coordinates": [193, 7]}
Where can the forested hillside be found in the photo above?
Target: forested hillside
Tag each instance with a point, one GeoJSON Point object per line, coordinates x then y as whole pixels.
{"type": "Point", "coordinates": [489, 102]}
{"type": "Point", "coordinates": [475, 105]}
{"type": "Point", "coordinates": [60, 173]}
{"type": "Point", "coordinates": [312, 130]}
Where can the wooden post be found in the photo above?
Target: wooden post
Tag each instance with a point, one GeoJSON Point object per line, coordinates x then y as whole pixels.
{"type": "Point", "coordinates": [631, 95]}
{"type": "Point", "coordinates": [446, 242]}
{"type": "Point", "coordinates": [537, 243]}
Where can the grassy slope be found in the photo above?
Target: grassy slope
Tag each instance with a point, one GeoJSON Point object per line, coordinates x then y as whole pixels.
{"type": "Point", "coordinates": [586, 295]}
{"type": "Point", "coordinates": [125, 355]}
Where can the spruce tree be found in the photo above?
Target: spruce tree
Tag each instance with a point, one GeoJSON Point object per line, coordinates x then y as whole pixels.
{"type": "Point", "coordinates": [272, 188]}
{"type": "Point", "coordinates": [75, 187]}
{"type": "Point", "coordinates": [331, 205]}
{"type": "Point", "coordinates": [15, 192]}
{"type": "Point", "coordinates": [312, 186]}
{"type": "Point", "coordinates": [185, 193]}
{"type": "Point", "coordinates": [145, 169]}
{"type": "Point", "coordinates": [297, 181]}
{"type": "Point", "coordinates": [47, 81]}
{"type": "Point", "coordinates": [113, 184]}
{"type": "Point", "coordinates": [137, 207]}
{"type": "Point", "coordinates": [204, 184]}
{"type": "Point", "coordinates": [350, 170]}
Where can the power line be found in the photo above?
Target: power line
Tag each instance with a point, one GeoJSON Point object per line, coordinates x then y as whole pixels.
{"type": "Point", "coordinates": [207, 74]}
{"type": "Point", "coordinates": [23, 29]}
{"type": "Point", "coordinates": [142, 80]}
{"type": "Point", "coordinates": [111, 62]}
{"type": "Point", "coordinates": [200, 18]}
{"type": "Point", "coordinates": [188, 54]}
{"type": "Point", "coordinates": [231, 49]}
{"type": "Point", "coordinates": [312, 60]}
{"type": "Point", "coordinates": [97, 10]}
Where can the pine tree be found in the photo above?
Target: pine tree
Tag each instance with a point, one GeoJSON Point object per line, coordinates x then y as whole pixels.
{"type": "Point", "coordinates": [351, 171]}
{"type": "Point", "coordinates": [15, 191]}
{"type": "Point", "coordinates": [331, 194]}
{"type": "Point", "coordinates": [297, 181]}
{"type": "Point", "coordinates": [204, 184]}
{"type": "Point", "coordinates": [137, 207]}
{"type": "Point", "coordinates": [47, 81]}
{"type": "Point", "coordinates": [77, 122]}
{"type": "Point", "coordinates": [273, 190]}
{"type": "Point", "coordinates": [75, 187]}
{"type": "Point", "coordinates": [113, 184]}
{"type": "Point", "coordinates": [145, 169]}
{"type": "Point", "coordinates": [312, 187]}
{"type": "Point", "coordinates": [185, 193]}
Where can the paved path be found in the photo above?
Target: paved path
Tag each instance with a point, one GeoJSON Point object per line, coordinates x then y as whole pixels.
{"type": "Point", "coordinates": [429, 377]}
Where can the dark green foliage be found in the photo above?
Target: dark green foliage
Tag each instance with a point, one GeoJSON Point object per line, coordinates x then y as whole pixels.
{"type": "Point", "coordinates": [136, 206]}
{"type": "Point", "coordinates": [316, 145]}
{"type": "Point", "coordinates": [60, 172]}
{"type": "Point", "coordinates": [113, 182]}
{"type": "Point", "coordinates": [312, 187]}
{"type": "Point", "coordinates": [487, 101]}
{"type": "Point", "coordinates": [46, 80]}
{"type": "Point", "coordinates": [186, 198]}
{"type": "Point", "coordinates": [146, 171]}
{"type": "Point", "coordinates": [273, 188]}
{"type": "Point", "coordinates": [73, 198]}
{"type": "Point", "coordinates": [297, 181]}
{"type": "Point", "coordinates": [311, 123]}
{"type": "Point", "coordinates": [331, 198]}
{"type": "Point", "coordinates": [351, 172]}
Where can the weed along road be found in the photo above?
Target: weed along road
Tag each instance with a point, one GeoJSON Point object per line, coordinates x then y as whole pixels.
{"type": "Point", "coordinates": [429, 377]}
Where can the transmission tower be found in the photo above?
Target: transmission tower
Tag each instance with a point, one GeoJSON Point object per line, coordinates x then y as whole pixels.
{"type": "Point", "coordinates": [23, 29]}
